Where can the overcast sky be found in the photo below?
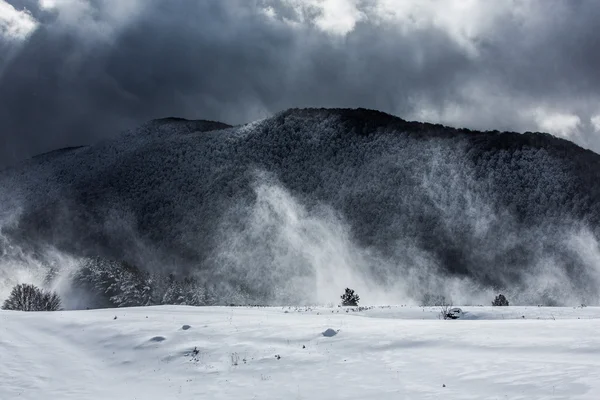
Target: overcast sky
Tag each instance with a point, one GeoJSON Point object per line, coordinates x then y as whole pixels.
{"type": "Point", "coordinates": [75, 71]}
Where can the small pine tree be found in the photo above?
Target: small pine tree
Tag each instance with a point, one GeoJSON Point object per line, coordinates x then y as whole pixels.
{"type": "Point", "coordinates": [27, 297]}
{"type": "Point", "coordinates": [500, 301]}
{"type": "Point", "coordinates": [349, 298]}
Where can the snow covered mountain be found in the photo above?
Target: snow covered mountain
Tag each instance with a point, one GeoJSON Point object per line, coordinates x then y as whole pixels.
{"type": "Point", "coordinates": [296, 207]}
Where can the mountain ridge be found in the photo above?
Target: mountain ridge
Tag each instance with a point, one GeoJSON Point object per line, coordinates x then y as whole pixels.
{"type": "Point", "coordinates": [347, 115]}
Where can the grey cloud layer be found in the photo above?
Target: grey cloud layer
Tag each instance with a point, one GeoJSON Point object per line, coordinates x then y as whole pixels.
{"type": "Point", "coordinates": [90, 70]}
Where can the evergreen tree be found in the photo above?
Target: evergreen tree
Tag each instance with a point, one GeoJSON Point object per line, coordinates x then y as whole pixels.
{"type": "Point", "coordinates": [500, 301]}
{"type": "Point", "coordinates": [349, 298]}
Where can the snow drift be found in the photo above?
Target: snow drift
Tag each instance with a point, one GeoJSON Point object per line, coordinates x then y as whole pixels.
{"type": "Point", "coordinates": [275, 353]}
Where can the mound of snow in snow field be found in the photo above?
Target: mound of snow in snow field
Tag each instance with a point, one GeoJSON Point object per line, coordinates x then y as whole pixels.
{"type": "Point", "coordinates": [265, 353]}
{"type": "Point", "coordinates": [330, 332]}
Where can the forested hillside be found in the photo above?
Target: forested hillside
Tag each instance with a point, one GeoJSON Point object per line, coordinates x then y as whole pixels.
{"type": "Point", "coordinates": [291, 207]}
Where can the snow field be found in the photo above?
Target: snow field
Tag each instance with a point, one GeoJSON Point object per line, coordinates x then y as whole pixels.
{"type": "Point", "coordinates": [178, 352]}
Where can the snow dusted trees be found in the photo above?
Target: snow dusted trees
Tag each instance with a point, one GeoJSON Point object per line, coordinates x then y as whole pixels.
{"type": "Point", "coordinates": [27, 297]}
{"type": "Point", "coordinates": [110, 283]}
{"type": "Point", "coordinates": [187, 292]}
{"type": "Point", "coordinates": [113, 284]}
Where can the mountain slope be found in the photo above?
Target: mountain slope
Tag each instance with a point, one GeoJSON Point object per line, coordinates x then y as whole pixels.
{"type": "Point", "coordinates": [315, 198]}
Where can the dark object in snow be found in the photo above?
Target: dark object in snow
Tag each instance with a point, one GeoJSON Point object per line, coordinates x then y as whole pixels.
{"type": "Point", "coordinates": [500, 301]}
{"type": "Point", "coordinates": [185, 327]}
{"type": "Point", "coordinates": [27, 297]}
{"type": "Point", "coordinates": [454, 313]}
{"type": "Point", "coordinates": [330, 333]}
{"type": "Point", "coordinates": [349, 298]}
{"type": "Point", "coordinates": [115, 317]}
{"type": "Point", "coordinates": [277, 356]}
{"type": "Point", "coordinates": [303, 346]}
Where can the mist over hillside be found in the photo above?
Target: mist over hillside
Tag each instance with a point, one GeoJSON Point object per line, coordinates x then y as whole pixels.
{"type": "Point", "coordinates": [293, 208]}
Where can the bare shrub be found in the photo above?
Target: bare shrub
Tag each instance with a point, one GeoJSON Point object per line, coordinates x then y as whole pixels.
{"type": "Point", "coordinates": [27, 297]}
{"type": "Point", "coordinates": [448, 312]}
{"type": "Point", "coordinates": [444, 309]}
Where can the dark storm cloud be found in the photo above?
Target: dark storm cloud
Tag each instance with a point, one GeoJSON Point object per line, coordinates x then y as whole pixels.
{"type": "Point", "coordinates": [91, 69]}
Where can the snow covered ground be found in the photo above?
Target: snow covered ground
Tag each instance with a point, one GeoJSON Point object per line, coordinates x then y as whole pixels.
{"type": "Point", "coordinates": [281, 353]}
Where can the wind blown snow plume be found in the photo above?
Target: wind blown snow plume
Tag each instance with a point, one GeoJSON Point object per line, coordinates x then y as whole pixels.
{"type": "Point", "coordinates": [289, 254]}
